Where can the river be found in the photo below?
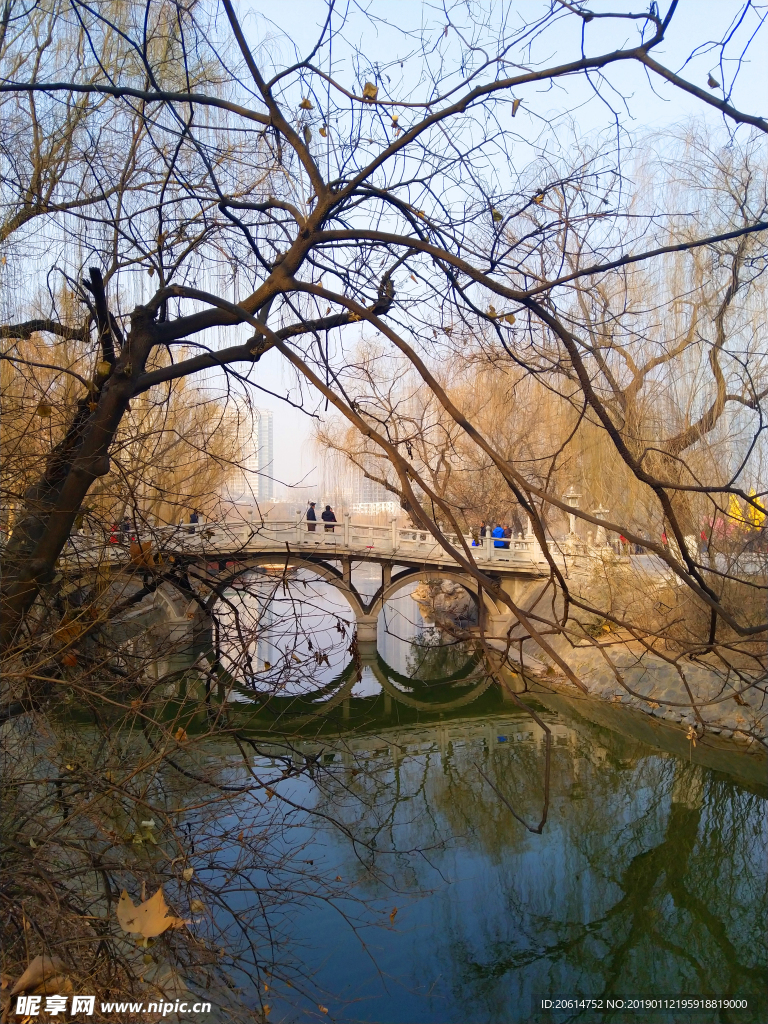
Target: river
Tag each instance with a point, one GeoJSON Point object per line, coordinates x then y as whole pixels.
{"type": "Point", "coordinates": [648, 880]}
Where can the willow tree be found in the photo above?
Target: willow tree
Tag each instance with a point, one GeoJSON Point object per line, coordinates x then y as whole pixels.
{"type": "Point", "coordinates": [285, 205]}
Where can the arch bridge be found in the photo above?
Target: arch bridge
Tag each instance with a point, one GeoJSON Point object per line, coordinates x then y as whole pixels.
{"type": "Point", "coordinates": [220, 553]}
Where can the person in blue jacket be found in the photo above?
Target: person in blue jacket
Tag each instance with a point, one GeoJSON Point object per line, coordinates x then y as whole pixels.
{"type": "Point", "coordinates": [498, 531]}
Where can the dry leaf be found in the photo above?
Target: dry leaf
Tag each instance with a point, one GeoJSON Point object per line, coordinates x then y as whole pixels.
{"type": "Point", "coordinates": [370, 92]}
{"type": "Point", "coordinates": [497, 215]}
{"type": "Point", "coordinates": [509, 318]}
{"type": "Point", "coordinates": [187, 873]}
{"type": "Point", "coordinates": [393, 915]}
{"type": "Point", "coordinates": [515, 105]}
{"type": "Point", "coordinates": [197, 906]}
{"type": "Point", "coordinates": [44, 409]}
{"type": "Point", "coordinates": [59, 985]}
{"type": "Point", "coordinates": [712, 82]}
{"type": "Point", "coordinates": [691, 736]}
{"type": "Point", "coordinates": [354, 317]}
{"type": "Point", "coordinates": [324, 131]}
{"type": "Point", "coordinates": [306, 105]}
{"type": "Point", "coordinates": [40, 968]}
{"type": "Point", "coordinates": [180, 735]}
{"type": "Point", "coordinates": [338, 878]}
{"type": "Point", "coordinates": [492, 311]}
{"type": "Point", "coordinates": [539, 199]}
{"type": "Point", "coordinates": [103, 368]}
{"type": "Point", "coordinates": [322, 1009]}
{"type": "Point", "coordinates": [148, 919]}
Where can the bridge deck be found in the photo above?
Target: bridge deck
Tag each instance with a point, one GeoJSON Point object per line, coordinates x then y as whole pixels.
{"type": "Point", "coordinates": [359, 541]}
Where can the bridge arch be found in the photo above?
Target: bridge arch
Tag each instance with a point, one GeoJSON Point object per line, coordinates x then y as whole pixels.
{"type": "Point", "coordinates": [485, 605]}
{"type": "Point", "coordinates": [320, 568]}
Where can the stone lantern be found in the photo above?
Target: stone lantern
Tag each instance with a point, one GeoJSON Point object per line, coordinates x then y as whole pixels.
{"type": "Point", "coordinates": [572, 498]}
{"type": "Point", "coordinates": [601, 537]}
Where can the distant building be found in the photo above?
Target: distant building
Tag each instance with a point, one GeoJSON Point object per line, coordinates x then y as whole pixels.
{"type": "Point", "coordinates": [254, 477]}
{"type": "Point", "coordinates": [376, 508]}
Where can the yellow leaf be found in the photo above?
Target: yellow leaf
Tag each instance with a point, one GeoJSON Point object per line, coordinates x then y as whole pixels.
{"type": "Point", "coordinates": [393, 915]}
{"type": "Point", "coordinates": [44, 409]}
{"type": "Point", "coordinates": [148, 919]}
{"type": "Point", "coordinates": [370, 92]}
{"type": "Point", "coordinates": [306, 105]}
{"type": "Point", "coordinates": [103, 369]}
{"type": "Point", "coordinates": [32, 844]}
{"type": "Point", "coordinates": [267, 1009]}
{"type": "Point", "coordinates": [187, 873]}
{"type": "Point", "coordinates": [691, 735]}
{"type": "Point", "coordinates": [515, 105]}
{"type": "Point", "coordinates": [497, 215]}
{"type": "Point", "coordinates": [322, 1009]}
{"type": "Point", "coordinates": [354, 317]}
{"type": "Point", "coordinates": [510, 318]}
{"type": "Point", "coordinates": [324, 131]}
{"type": "Point", "coordinates": [395, 119]}
{"type": "Point", "coordinates": [197, 906]}
{"type": "Point", "coordinates": [180, 735]}
{"type": "Point", "coordinates": [539, 199]}
{"type": "Point", "coordinates": [270, 793]}
{"type": "Point", "coordinates": [492, 311]}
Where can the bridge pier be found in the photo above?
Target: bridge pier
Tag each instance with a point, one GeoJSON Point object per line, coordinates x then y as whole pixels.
{"type": "Point", "coordinates": [367, 629]}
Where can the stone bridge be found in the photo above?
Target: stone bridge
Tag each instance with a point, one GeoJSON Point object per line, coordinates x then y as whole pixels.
{"type": "Point", "coordinates": [217, 555]}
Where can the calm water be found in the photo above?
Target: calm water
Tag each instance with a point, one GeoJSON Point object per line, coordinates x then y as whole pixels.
{"type": "Point", "coordinates": [649, 878]}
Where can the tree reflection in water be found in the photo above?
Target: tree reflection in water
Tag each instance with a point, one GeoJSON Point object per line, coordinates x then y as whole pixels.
{"type": "Point", "coordinates": [648, 880]}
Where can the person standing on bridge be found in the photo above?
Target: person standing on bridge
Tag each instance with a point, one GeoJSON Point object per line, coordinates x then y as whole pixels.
{"type": "Point", "coordinates": [498, 532]}
{"type": "Point", "coordinates": [328, 518]}
{"type": "Point", "coordinates": [311, 518]}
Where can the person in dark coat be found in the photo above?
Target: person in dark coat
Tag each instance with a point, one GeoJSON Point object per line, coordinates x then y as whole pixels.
{"type": "Point", "coordinates": [194, 519]}
{"type": "Point", "coordinates": [483, 529]}
{"type": "Point", "coordinates": [328, 517]}
{"type": "Point", "coordinates": [311, 518]}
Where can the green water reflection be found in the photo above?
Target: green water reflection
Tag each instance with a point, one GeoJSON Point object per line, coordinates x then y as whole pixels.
{"type": "Point", "coordinates": [649, 878]}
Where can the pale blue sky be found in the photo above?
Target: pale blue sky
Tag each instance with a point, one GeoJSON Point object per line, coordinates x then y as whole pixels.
{"type": "Point", "coordinates": [695, 21]}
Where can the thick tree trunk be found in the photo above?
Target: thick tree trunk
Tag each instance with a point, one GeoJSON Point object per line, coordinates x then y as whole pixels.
{"type": "Point", "coordinates": [52, 504]}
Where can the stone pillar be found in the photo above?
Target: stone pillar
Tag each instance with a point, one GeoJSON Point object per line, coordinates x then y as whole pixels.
{"type": "Point", "coordinates": [393, 525]}
{"type": "Point", "coordinates": [298, 527]}
{"type": "Point", "coordinates": [346, 530]}
{"type": "Point", "coordinates": [367, 628]}
{"type": "Point", "coordinates": [601, 537]}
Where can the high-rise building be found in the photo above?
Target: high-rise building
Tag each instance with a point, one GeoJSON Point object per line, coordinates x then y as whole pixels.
{"type": "Point", "coordinates": [255, 477]}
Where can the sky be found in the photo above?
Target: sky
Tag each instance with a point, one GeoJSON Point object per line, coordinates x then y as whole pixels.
{"type": "Point", "coordinates": [281, 26]}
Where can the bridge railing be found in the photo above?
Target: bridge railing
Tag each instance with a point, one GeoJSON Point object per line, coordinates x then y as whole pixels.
{"type": "Point", "coordinates": [344, 537]}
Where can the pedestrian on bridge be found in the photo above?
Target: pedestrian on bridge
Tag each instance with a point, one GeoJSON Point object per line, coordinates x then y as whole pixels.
{"type": "Point", "coordinates": [328, 518]}
{"type": "Point", "coordinates": [498, 531]}
{"type": "Point", "coordinates": [311, 518]}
